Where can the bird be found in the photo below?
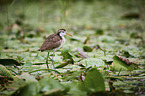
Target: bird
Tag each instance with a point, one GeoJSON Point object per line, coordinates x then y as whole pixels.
{"type": "Point", "coordinates": [54, 42]}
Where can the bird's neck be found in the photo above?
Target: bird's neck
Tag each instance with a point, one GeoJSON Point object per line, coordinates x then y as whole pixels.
{"type": "Point", "coordinates": [62, 37]}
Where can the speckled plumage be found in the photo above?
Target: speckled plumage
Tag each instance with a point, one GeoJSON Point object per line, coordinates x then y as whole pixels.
{"type": "Point", "coordinates": [52, 42]}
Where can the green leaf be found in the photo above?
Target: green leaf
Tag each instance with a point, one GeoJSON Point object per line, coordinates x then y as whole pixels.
{"type": "Point", "coordinates": [94, 81]}
{"type": "Point", "coordinates": [9, 62]}
{"type": "Point", "coordinates": [66, 53]}
{"type": "Point", "coordinates": [27, 77]}
{"type": "Point", "coordinates": [4, 71]}
{"type": "Point", "coordinates": [30, 89]}
{"type": "Point", "coordinates": [87, 49]}
{"type": "Point", "coordinates": [100, 32]}
{"type": "Point", "coordinates": [73, 75]}
{"type": "Point", "coordinates": [53, 92]}
{"type": "Point", "coordinates": [92, 62]}
{"type": "Point", "coordinates": [119, 64]}
{"type": "Point", "coordinates": [48, 83]}
{"type": "Point", "coordinates": [107, 39]}
{"type": "Point", "coordinates": [76, 90]}
{"type": "Point", "coordinates": [126, 54]}
{"type": "Point", "coordinates": [27, 64]}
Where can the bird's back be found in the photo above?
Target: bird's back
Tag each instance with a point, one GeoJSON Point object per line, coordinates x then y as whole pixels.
{"type": "Point", "coordinates": [52, 42]}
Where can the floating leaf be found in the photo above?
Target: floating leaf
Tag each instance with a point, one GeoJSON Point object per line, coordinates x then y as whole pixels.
{"type": "Point", "coordinates": [27, 64]}
{"type": "Point", "coordinates": [92, 62]}
{"type": "Point", "coordinates": [66, 53]}
{"type": "Point", "coordinates": [9, 62]}
{"type": "Point", "coordinates": [30, 89]}
{"type": "Point", "coordinates": [126, 54]}
{"type": "Point", "coordinates": [73, 75]}
{"type": "Point", "coordinates": [48, 83]}
{"type": "Point", "coordinates": [87, 49]}
{"type": "Point", "coordinates": [100, 32]}
{"type": "Point", "coordinates": [94, 81]}
{"type": "Point", "coordinates": [120, 63]}
{"type": "Point", "coordinates": [54, 92]}
{"type": "Point", "coordinates": [63, 64]}
{"type": "Point", "coordinates": [4, 71]}
{"type": "Point", "coordinates": [27, 77]}
{"type": "Point", "coordinates": [76, 90]}
{"type": "Point", "coordinates": [107, 39]}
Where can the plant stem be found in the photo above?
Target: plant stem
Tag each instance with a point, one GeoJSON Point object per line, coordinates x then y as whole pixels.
{"type": "Point", "coordinates": [52, 60]}
{"type": "Point", "coordinates": [47, 60]}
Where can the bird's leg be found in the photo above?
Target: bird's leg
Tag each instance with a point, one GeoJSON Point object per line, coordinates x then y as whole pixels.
{"type": "Point", "coordinates": [52, 59]}
{"type": "Point", "coordinates": [47, 60]}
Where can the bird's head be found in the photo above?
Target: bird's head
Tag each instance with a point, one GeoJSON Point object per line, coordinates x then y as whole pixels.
{"type": "Point", "coordinates": [62, 32]}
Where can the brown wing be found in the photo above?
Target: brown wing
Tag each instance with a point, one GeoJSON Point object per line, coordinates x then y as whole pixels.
{"type": "Point", "coordinates": [51, 42]}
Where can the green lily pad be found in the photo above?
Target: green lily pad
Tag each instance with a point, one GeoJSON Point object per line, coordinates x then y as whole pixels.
{"type": "Point", "coordinates": [76, 90]}
{"type": "Point", "coordinates": [120, 63]}
{"type": "Point", "coordinates": [87, 49]}
{"type": "Point", "coordinates": [94, 81]}
{"type": "Point", "coordinates": [107, 39]}
{"type": "Point", "coordinates": [92, 62]}
{"type": "Point", "coordinates": [30, 89]}
{"type": "Point", "coordinates": [48, 83]}
{"type": "Point", "coordinates": [66, 53]}
{"type": "Point", "coordinates": [100, 32]}
{"type": "Point", "coordinates": [10, 62]}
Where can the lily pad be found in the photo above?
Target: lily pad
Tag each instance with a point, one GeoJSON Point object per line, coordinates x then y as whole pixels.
{"type": "Point", "coordinates": [94, 81]}
{"type": "Point", "coordinates": [87, 49]}
{"type": "Point", "coordinates": [107, 39]}
{"type": "Point", "coordinates": [9, 62]}
{"type": "Point", "coordinates": [30, 89]}
{"type": "Point", "coordinates": [66, 53]}
{"type": "Point", "coordinates": [48, 84]}
{"type": "Point", "coordinates": [120, 63]}
{"type": "Point", "coordinates": [92, 62]}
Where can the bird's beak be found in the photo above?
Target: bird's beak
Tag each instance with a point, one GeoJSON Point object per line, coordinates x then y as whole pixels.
{"type": "Point", "coordinates": [68, 34]}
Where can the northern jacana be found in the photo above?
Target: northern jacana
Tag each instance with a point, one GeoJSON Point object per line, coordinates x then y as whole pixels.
{"type": "Point", "coordinates": [54, 42]}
